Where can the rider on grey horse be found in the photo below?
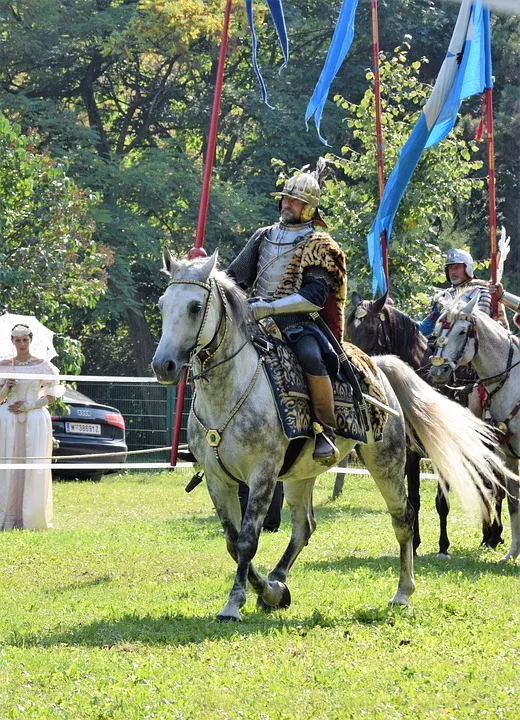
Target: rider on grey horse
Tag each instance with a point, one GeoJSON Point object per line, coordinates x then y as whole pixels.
{"type": "Point", "coordinates": [290, 269]}
{"type": "Point", "coordinates": [464, 284]}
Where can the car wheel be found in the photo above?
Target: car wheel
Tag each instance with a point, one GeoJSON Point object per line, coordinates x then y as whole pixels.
{"type": "Point", "coordinates": [95, 477]}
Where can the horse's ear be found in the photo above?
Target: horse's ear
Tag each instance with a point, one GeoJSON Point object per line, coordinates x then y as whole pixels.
{"type": "Point", "coordinates": [169, 263]}
{"type": "Point", "coordinates": [379, 304]}
{"type": "Point", "coordinates": [470, 305]}
{"type": "Point", "coordinates": [207, 268]}
{"type": "Point", "coordinates": [356, 300]}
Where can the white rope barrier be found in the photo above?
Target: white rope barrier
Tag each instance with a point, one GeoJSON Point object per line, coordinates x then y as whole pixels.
{"type": "Point", "coordinates": [92, 455]}
{"type": "Point", "coordinates": [78, 378]}
{"type": "Point", "coordinates": [88, 466]}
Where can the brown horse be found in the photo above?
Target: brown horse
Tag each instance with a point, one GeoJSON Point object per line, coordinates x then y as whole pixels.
{"type": "Point", "coordinates": [379, 328]}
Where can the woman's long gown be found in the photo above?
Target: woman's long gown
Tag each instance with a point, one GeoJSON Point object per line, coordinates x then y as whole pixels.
{"type": "Point", "coordinates": [26, 495]}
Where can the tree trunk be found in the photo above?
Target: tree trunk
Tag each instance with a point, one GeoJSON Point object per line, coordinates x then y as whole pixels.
{"type": "Point", "coordinates": [142, 342]}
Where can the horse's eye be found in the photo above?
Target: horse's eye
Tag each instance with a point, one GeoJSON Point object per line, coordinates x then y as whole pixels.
{"type": "Point", "coordinates": [194, 307]}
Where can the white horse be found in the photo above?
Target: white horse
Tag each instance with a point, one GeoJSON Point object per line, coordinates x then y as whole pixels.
{"type": "Point", "coordinates": [235, 434]}
{"type": "Point", "coordinates": [467, 335]}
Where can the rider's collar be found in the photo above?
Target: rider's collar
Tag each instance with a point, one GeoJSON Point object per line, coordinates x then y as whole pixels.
{"type": "Point", "coordinates": [295, 227]}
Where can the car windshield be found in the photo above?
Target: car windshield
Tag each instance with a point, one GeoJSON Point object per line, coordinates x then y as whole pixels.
{"type": "Point", "coordinates": [72, 396]}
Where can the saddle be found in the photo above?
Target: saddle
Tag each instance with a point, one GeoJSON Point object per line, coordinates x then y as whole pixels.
{"type": "Point", "coordinates": [292, 399]}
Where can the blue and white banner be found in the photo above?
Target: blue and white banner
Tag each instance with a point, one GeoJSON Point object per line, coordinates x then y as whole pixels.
{"type": "Point", "coordinates": [339, 47]}
{"type": "Point", "coordinates": [276, 10]}
{"type": "Point", "coordinates": [465, 71]}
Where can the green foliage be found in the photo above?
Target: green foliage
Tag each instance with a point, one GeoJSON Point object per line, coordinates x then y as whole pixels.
{"type": "Point", "coordinates": [123, 90]}
{"type": "Point", "coordinates": [49, 263]}
{"type": "Point", "coordinates": [112, 614]}
{"type": "Point", "coordinates": [445, 178]}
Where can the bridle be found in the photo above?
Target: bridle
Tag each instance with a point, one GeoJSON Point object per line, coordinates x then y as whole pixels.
{"type": "Point", "coordinates": [382, 343]}
{"type": "Point", "coordinates": [437, 359]}
{"type": "Point", "coordinates": [204, 352]}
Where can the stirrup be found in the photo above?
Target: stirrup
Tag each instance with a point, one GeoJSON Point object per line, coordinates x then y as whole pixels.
{"type": "Point", "coordinates": [328, 454]}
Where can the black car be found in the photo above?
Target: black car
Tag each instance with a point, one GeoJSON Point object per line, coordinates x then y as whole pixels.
{"type": "Point", "coordinates": [87, 428]}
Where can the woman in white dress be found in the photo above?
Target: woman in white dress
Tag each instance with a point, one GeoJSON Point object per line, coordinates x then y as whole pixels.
{"type": "Point", "coordinates": [26, 432]}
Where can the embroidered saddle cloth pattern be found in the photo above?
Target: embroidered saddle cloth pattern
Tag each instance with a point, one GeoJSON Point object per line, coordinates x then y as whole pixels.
{"type": "Point", "coordinates": [292, 399]}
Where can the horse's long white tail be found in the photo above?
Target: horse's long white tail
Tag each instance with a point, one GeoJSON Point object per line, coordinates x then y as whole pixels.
{"type": "Point", "coordinates": [458, 443]}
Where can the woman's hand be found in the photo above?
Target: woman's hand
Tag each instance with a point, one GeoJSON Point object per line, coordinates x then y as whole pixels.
{"type": "Point", "coordinates": [15, 407]}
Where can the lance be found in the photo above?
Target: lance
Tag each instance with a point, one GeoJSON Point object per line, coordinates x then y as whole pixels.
{"type": "Point", "coordinates": [197, 250]}
{"type": "Point", "coordinates": [488, 98]}
{"type": "Point", "coordinates": [379, 133]}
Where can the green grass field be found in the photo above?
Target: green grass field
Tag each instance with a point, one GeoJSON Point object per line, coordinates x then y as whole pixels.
{"type": "Point", "coordinates": [112, 614]}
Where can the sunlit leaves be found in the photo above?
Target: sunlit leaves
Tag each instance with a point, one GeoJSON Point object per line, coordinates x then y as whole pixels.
{"type": "Point", "coordinates": [49, 262]}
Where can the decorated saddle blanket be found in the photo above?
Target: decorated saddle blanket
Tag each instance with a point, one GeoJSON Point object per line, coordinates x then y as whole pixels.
{"type": "Point", "coordinates": [292, 397]}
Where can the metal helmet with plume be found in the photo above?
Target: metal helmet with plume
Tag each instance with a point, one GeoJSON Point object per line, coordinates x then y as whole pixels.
{"type": "Point", "coordinates": [306, 186]}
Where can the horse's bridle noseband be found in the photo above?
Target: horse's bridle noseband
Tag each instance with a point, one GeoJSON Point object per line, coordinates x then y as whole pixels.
{"type": "Point", "coordinates": [198, 348]}
{"type": "Point", "coordinates": [437, 359]}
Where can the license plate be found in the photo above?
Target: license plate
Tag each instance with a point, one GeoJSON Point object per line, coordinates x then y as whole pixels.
{"type": "Point", "coordinates": [82, 428]}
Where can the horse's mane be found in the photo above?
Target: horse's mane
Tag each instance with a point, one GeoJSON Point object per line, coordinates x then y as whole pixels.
{"type": "Point", "coordinates": [236, 298]}
{"type": "Point", "coordinates": [404, 333]}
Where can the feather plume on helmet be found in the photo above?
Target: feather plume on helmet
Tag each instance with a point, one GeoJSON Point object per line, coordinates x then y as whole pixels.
{"type": "Point", "coordinates": [306, 186]}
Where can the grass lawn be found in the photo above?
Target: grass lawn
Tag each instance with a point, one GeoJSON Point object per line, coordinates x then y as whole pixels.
{"type": "Point", "coordinates": [112, 614]}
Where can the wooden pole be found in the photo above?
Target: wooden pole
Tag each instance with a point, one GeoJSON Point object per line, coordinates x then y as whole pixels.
{"type": "Point", "coordinates": [379, 131]}
{"type": "Point", "coordinates": [197, 250]}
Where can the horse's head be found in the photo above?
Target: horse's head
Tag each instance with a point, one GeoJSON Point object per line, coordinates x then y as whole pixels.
{"type": "Point", "coordinates": [190, 310]}
{"type": "Point", "coordinates": [456, 342]}
{"type": "Point", "coordinates": [364, 326]}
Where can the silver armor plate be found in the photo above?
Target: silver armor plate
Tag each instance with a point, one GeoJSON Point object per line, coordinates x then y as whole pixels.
{"type": "Point", "coordinates": [276, 250]}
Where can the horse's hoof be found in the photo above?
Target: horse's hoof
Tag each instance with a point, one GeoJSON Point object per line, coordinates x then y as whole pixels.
{"type": "Point", "coordinates": [228, 618]}
{"type": "Point", "coordinates": [283, 603]}
{"type": "Point", "coordinates": [443, 556]}
{"type": "Point", "coordinates": [263, 606]}
{"type": "Point", "coordinates": [400, 599]}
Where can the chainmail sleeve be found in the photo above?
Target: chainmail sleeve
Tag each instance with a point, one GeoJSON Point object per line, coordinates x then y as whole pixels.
{"type": "Point", "coordinates": [243, 269]}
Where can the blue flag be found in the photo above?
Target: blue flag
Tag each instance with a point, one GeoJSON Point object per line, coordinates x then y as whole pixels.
{"type": "Point", "coordinates": [276, 10]}
{"type": "Point", "coordinates": [466, 71]}
{"type": "Point", "coordinates": [339, 47]}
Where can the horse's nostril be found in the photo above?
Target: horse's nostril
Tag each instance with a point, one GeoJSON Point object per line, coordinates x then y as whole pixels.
{"type": "Point", "coordinates": [168, 367]}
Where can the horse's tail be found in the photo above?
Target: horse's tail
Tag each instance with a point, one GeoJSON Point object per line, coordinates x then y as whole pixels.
{"type": "Point", "coordinates": [461, 447]}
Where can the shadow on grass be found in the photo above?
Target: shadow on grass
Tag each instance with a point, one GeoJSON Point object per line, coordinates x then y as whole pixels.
{"type": "Point", "coordinates": [467, 562]}
{"type": "Point", "coordinates": [133, 632]}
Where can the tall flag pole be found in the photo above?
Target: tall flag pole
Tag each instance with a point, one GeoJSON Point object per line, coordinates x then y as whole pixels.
{"type": "Point", "coordinates": [197, 250]}
{"type": "Point", "coordinates": [466, 70]}
{"type": "Point", "coordinates": [379, 132]}
{"type": "Point", "coordinates": [488, 95]}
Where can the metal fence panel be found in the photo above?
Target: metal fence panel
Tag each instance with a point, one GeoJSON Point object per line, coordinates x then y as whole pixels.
{"type": "Point", "coordinates": [148, 410]}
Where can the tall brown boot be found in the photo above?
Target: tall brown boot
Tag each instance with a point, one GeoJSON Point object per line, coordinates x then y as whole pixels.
{"type": "Point", "coordinates": [322, 399]}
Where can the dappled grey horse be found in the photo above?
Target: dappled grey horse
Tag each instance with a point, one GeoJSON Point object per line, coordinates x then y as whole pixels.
{"type": "Point", "coordinates": [235, 434]}
{"type": "Point", "coordinates": [467, 335]}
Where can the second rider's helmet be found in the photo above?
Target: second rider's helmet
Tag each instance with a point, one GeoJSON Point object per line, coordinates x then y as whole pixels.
{"type": "Point", "coordinates": [455, 257]}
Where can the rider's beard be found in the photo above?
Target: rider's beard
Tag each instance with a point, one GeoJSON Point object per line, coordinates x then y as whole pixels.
{"type": "Point", "coordinates": [456, 281]}
{"type": "Point", "coordinates": [288, 217]}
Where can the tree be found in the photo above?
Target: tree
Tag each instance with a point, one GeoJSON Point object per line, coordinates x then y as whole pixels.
{"type": "Point", "coordinates": [49, 263]}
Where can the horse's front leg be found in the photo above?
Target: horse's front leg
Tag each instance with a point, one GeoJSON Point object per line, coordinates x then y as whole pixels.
{"type": "Point", "coordinates": [242, 539]}
{"type": "Point", "coordinates": [298, 495]}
